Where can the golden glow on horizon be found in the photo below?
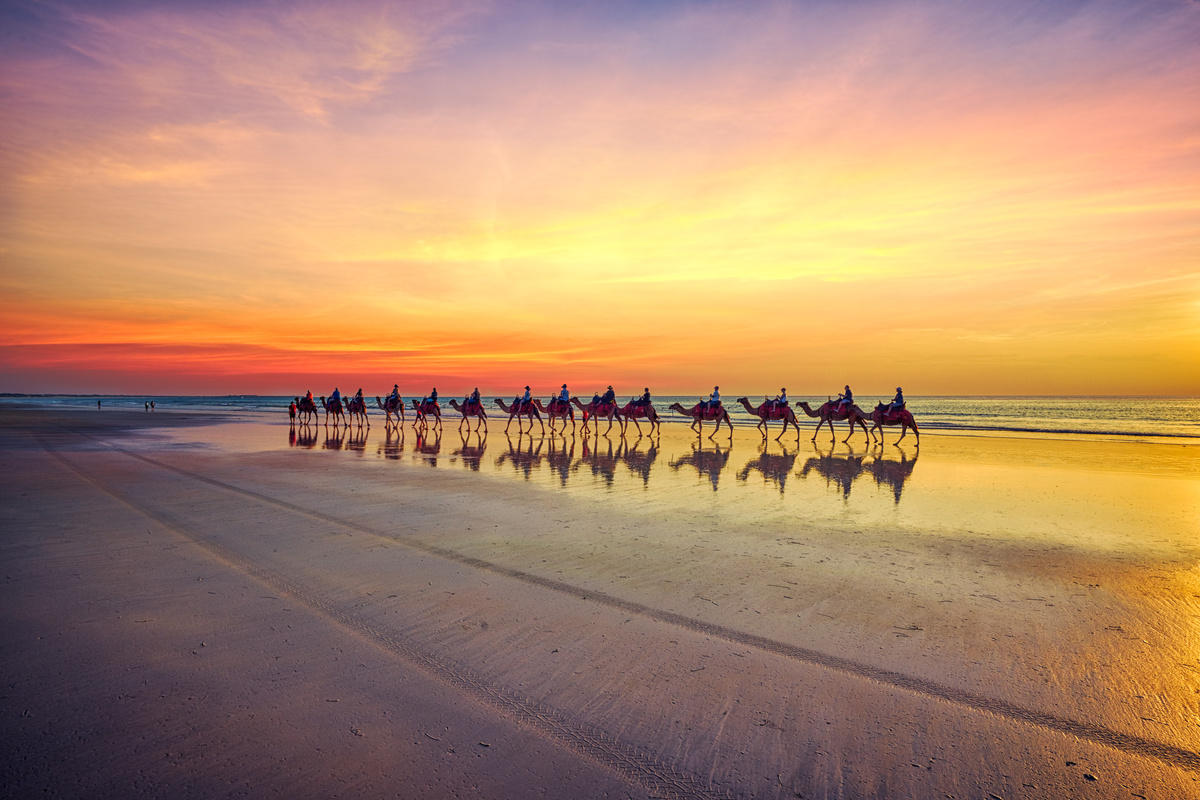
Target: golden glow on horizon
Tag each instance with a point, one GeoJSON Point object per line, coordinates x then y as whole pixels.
{"type": "Point", "coordinates": [808, 195]}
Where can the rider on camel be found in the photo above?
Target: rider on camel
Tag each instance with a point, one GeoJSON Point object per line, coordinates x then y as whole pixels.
{"type": "Point", "coordinates": [564, 397]}
{"type": "Point", "coordinates": [395, 395]}
{"type": "Point", "coordinates": [336, 397]}
{"type": "Point", "coordinates": [524, 401]}
{"type": "Point", "coordinates": [432, 398]}
{"type": "Point", "coordinates": [473, 400]}
{"type": "Point", "coordinates": [609, 397]}
{"type": "Point", "coordinates": [644, 400]}
{"type": "Point", "coordinates": [713, 401]}
{"type": "Point", "coordinates": [781, 401]}
{"type": "Point", "coordinates": [897, 401]}
{"type": "Point", "coordinates": [845, 399]}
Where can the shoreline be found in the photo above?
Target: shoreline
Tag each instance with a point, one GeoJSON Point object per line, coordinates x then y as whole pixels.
{"type": "Point", "coordinates": [726, 638]}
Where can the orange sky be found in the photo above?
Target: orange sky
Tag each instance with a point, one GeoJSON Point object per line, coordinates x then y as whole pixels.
{"type": "Point", "coordinates": [255, 198]}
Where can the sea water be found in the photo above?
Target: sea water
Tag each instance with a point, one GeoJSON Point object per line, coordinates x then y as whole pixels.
{"type": "Point", "coordinates": [1136, 417]}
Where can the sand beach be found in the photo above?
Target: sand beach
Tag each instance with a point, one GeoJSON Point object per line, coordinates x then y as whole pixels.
{"type": "Point", "coordinates": [209, 606]}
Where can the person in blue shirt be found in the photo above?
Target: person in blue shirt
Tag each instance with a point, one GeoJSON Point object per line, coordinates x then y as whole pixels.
{"type": "Point", "coordinates": [845, 398]}
{"type": "Point", "coordinates": [898, 400]}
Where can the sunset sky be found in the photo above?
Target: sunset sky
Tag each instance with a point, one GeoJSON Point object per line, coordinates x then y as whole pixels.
{"type": "Point", "coordinates": [957, 197]}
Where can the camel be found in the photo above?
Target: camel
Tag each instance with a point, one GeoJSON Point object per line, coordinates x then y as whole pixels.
{"type": "Point", "coordinates": [357, 407]}
{"type": "Point", "coordinates": [393, 405]}
{"type": "Point", "coordinates": [632, 411]}
{"type": "Point", "coordinates": [518, 410]}
{"type": "Point", "coordinates": [468, 410]}
{"type": "Point", "coordinates": [424, 408]}
{"type": "Point", "coordinates": [333, 407]}
{"type": "Point", "coordinates": [307, 408]}
{"type": "Point", "coordinates": [594, 409]}
{"type": "Point", "coordinates": [700, 413]}
{"type": "Point", "coordinates": [883, 415]}
{"type": "Point", "coordinates": [558, 409]}
{"type": "Point", "coordinates": [830, 412]}
{"type": "Point", "coordinates": [769, 411]}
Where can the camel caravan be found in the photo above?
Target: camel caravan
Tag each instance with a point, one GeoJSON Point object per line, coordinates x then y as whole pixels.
{"type": "Point", "coordinates": [561, 411]}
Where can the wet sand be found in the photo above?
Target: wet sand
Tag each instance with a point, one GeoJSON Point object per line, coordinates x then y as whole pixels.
{"type": "Point", "coordinates": [199, 608]}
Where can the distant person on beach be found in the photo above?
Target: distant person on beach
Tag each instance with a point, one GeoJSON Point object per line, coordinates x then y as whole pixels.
{"type": "Point", "coordinates": [151, 405]}
{"type": "Point", "coordinates": [292, 409]}
{"type": "Point", "coordinates": [898, 400]}
{"type": "Point", "coordinates": [147, 405]}
{"type": "Point", "coordinates": [97, 404]}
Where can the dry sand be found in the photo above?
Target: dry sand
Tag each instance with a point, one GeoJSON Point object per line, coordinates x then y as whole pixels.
{"type": "Point", "coordinates": [208, 610]}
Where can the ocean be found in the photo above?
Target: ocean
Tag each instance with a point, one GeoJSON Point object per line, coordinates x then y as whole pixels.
{"type": "Point", "coordinates": [1122, 417]}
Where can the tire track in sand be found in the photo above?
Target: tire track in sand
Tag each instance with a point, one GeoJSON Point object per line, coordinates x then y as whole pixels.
{"type": "Point", "coordinates": [1097, 734]}
{"type": "Point", "coordinates": [641, 769]}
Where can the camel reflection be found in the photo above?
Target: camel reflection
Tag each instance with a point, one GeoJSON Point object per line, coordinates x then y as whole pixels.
{"type": "Point", "coordinates": [560, 457]}
{"type": "Point", "coordinates": [334, 438]}
{"type": "Point", "coordinates": [471, 454]}
{"type": "Point", "coordinates": [775, 467]}
{"type": "Point", "coordinates": [710, 463]}
{"type": "Point", "coordinates": [601, 458]}
{"type": "Point", "coordinates": [893, 474]}
{"type": "Point", "coordinates": [356, 439]}
{"type": "Point", "coordinates": [843, 471]}
{"type": "Point", "coordinates": [303, 436]}
{"type": "Point", "coordinates": [524, 457]}
{"type": "Point", "coordinates": [640, 461]}
{"type": "Point", "coordinates": [428, 444]}
{"type": "Point", "coordinates": [392, 447]}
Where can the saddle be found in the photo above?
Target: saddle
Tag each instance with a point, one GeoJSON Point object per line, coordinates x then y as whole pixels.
{"type": "Point", "coordinates": [558, 404]}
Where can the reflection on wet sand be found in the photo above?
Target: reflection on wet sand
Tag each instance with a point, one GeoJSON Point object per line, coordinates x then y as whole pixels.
{"type": "Point", "coordinates": [303, 436]}
{"type": "Point", "coordinates": [471, 454]}
{"type": "Point", "coordinates": [392, 446]}
{"type": "Point", "coordinates": [428, 445]}
{"type": "Point", "coordinates": [563, 457]}
{"type": "Point", "coordinates": [640, 461]}
{"type": "Point", "coordinates": [335, 438]}
{"type": "Point", "coordinates": [523, 455]}
{"type": "Point", "coordinates": [775, 467]}
{"type": "Point", "coordinates": [893, 474]}
{"type": "Point", "coordinates": [356, 440]}
{"type": "Point", "coordinates": [843, 470]}
{"type": "Point", "coordinates": [560, 457]}
{"type": "Point", "coordinates": [600, 458]}
{"type": "Point", "coordinates": [710, 463]}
